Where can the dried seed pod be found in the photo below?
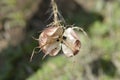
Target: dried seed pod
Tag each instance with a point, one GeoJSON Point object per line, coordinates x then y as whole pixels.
{"type": "Point", "coordinates": [71, 45]}
{"type": "Point", "coordinates": [68, 40]}
{"type": "Point", "coordinates": [55, 37]}
{"type": "Point", "coordinates": [48, 40]}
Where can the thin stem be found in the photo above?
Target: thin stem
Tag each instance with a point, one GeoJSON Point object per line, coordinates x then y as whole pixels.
{"type": "Point", "coordinates": [55, 11]}
{"type": "Point", "coordinates": [33, 53]}
{"type": "Point", "coordinates": [80, 29]}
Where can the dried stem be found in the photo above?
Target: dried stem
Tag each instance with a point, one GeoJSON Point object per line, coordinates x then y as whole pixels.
{"type": "Point", "coordinates": [55, 11]}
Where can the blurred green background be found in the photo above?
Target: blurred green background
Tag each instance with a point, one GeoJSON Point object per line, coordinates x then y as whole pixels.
{"type": "Point", "coordinates": [99, 57]}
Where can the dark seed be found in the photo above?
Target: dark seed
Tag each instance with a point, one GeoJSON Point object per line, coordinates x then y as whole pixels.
{"type": "Point", "coordinates": [64, 37]}
{"type": "Point", "coordinates": [57, 40]}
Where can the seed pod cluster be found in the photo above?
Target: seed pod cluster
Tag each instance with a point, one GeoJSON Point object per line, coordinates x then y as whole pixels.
{"type": "Point", "coordinates": [58, 37]}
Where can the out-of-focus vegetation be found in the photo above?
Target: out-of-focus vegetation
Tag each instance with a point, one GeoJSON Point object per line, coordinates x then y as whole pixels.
{"type": "Point", "coordinates": [99, 58]}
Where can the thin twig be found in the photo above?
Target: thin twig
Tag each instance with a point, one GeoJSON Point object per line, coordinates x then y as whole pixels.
{"type": "Point", "coordinates": [55, 11]}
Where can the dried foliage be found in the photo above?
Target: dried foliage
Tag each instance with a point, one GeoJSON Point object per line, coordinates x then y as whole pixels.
{"type": "Point", "coordinates": [58, 36]}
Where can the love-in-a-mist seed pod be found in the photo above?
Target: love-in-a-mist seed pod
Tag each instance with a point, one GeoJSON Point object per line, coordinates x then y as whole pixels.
{"type": "Point", "coordinates": [58, 37]}
{"type": "Point", "coordinates": [54, 39]}
{"type": "Point", "coordinates": [48, 39]}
